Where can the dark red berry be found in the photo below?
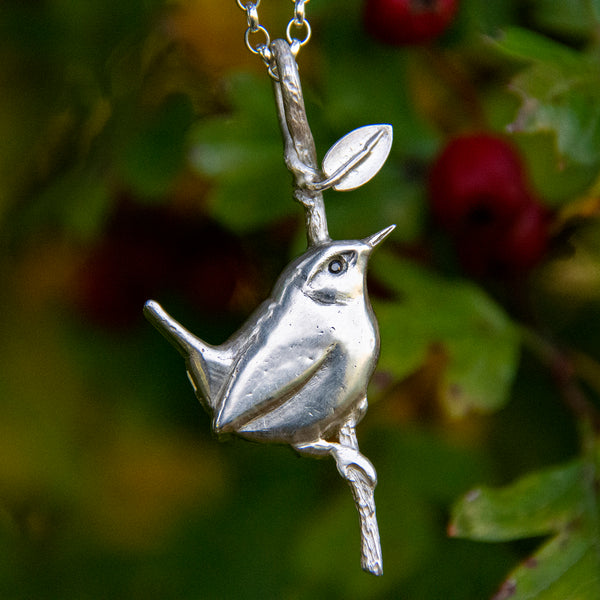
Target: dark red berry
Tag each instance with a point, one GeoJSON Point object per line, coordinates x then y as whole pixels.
{"type": "Point", "coordinates": [477, 180]}
{"type": "Point", "coordinates": [507, 251]}
{"type": "Point", "coordinates": [118, 275]}
{"type": "Point", "coordinates": [480, 195]}
{"type": "Point", "coordinates": [526, 242]}
{"type": "Point", "coordinates": [152, 251]}
{"type": "Point", "coordinates": [408, 22]}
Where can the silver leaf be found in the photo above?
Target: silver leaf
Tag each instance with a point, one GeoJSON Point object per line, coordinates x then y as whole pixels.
{"type": "Point", "coordinates": [357, 157]}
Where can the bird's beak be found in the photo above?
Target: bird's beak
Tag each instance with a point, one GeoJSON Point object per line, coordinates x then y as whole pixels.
{"type": "Point", "coordinates": [377, 238]}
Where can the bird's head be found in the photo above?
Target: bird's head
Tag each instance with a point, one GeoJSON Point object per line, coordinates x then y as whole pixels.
{"type": "Point", "coordinates": [334, 272]}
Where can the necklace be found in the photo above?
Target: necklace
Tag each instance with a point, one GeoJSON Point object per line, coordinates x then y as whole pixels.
{"type": "Point", "coordinates": [297, 371]}
{"type": "Point", "coordinates": [299, 23]}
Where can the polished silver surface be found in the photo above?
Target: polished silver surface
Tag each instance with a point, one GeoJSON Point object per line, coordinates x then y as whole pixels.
{"type": "Point", "coordinates": [357, 157]}
{"type": "Point", "coordinates": [297, 371]}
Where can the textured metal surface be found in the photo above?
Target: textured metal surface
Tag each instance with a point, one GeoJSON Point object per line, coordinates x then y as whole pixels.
{"type": "Point", "coordinates": [297, 371]}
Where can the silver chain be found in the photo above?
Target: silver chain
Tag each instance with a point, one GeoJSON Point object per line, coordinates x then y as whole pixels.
{"type": "Point", "coordinates": [298, 26]}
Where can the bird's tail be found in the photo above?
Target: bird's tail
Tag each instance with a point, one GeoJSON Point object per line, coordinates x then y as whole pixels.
{"type": "Point", "coordinates": [184, 341]}
{"type": "Point", "coordinates": [205, 363]}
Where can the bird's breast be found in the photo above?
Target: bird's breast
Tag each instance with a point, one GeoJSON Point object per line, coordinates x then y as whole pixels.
{"type": "Point", "coordinates": [306, 366]}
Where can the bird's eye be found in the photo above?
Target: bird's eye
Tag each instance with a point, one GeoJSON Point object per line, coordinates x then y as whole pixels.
{"type": "Point", "coordinates": [336, 266]}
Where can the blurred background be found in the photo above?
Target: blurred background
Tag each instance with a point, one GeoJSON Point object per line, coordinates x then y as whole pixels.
{"type": "Point", "coordinates": [140, 157]}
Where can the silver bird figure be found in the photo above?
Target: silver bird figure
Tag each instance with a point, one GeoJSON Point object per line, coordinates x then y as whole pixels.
{"type": "Point", "coordinates": [297, 371]}
{"type": "Point", "coordinates": [301, 363]}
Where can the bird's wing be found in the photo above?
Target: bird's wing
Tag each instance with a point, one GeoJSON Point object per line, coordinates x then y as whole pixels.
{"type": "Point", "coordinates": [270, 373]}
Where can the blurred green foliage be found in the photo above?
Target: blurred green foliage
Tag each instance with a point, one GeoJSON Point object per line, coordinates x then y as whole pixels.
{"type": "Point", "coordinates": [141, 157]}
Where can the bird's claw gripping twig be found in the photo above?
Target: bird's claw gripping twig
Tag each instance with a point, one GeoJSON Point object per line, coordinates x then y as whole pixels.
{"type": "Point", "coordinates": [346, 457]}
{"type": "Point", "coordinates": [360, 474]}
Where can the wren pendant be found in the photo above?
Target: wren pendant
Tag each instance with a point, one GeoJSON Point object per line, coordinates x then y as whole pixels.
{"type": "Point", "coordinates": [297, 371]}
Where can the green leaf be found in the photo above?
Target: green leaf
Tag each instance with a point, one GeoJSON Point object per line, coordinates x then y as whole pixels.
{"type": "Point", "coordinates": [151, 159]}
{"type": "Point", "coordinates": [569, 109]}
{"type": "Point", "coordinates": [526, 45]}
{"type": "Point", "coordinates": [478, 338]}
{"type": "Point", "coordinates": [251, 184]}
{"type": "Point", "coordinates": [573, 18]}
{"type": "Point", "coordinates": [568, 566]}
{"type": "Point", "coordinates": [555, 181]}
{"type": "Point", "coordinates": [560, 93]}
{"type": "Point", "coordinates": [242, 153]}
{"type": "Point", "coordinates": [562, 501]}
{"type": "Point", "coordinates": [538, 504]}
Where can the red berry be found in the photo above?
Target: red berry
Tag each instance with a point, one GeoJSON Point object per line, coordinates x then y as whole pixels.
{"type": "Point", "coordinates": [407, 22]}
{"type": "Point", "coordinates": [126, 267]}
{"type": "Point", "coordinates": [148, 252]}
{"type": "Point", "coordinates": [506, 251]}
{"type": "Point", "coordinates": [525, 243]}
{"type": "Point", "coordinates": [477, 180]}
{"type": "Point", "coordinates": [480, 195]}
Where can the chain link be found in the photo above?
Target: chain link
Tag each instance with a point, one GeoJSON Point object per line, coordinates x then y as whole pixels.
{"type": "Point", "coordinates": [257, 38]}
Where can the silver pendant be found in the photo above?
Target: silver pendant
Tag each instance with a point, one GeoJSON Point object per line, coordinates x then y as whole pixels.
{"type": "Point", "coordinates": [297, 371]}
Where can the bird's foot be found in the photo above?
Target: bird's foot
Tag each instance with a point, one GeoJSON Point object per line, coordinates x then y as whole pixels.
{"type": "Point", "coordinates": [346, 457]}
